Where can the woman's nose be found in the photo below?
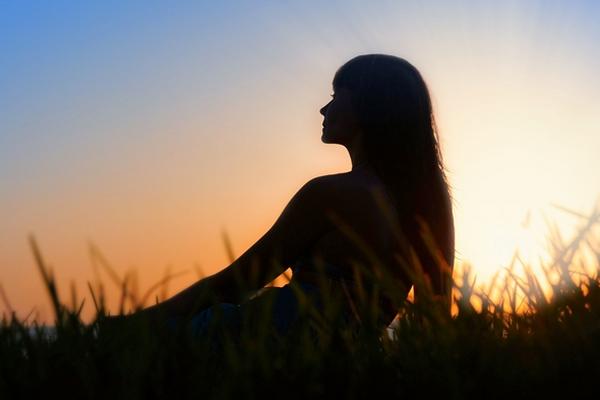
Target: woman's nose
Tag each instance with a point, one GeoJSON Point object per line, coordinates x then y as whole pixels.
{"type": "Point", "coordinates": [322, 110]}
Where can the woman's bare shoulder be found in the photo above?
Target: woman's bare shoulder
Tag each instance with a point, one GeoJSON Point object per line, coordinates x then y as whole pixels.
{"type": "Point", "coordinates": [330, 185]}
{"type": "Point", "coordinates": [349, 192]}
{"type": "Point", "coordinates": [350, 183]}
{"type": "Point", "coordinates": [349, 180]}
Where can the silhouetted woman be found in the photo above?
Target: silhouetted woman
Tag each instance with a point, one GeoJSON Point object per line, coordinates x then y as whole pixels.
{"type": "Point", "coordinates": [395, 193]}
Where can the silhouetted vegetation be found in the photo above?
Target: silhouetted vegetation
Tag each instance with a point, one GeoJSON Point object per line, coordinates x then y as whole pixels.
{"type": "Point", "coordinates": [520, 336]}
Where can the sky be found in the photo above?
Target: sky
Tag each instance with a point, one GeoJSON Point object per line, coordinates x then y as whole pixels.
{"type": "Point", "coordinates": [147, 129]}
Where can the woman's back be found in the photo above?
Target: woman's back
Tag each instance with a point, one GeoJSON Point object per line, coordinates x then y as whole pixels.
{"type": "Point", "coordinates": [359, 210]}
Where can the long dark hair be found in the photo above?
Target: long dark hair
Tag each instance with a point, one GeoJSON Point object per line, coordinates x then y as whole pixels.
{"type": "Point", "coordinates": [400, 141]}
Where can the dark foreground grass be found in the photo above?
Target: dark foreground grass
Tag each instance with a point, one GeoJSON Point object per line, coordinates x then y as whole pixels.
{"type": "Point", "coordinates": [520, 337]}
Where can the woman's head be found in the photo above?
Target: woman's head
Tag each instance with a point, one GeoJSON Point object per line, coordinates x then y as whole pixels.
{"type": "Point", "coordinates": [382, 105]}
{"type": "Point", "coordinates": [382, 102]}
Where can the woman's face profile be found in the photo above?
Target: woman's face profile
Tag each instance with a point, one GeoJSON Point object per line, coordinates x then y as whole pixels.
{"type": "Point", "coordinates": [340, 123]}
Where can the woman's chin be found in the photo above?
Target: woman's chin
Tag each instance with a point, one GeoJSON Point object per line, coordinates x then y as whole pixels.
{"type": "Point", "coordinates": [327, 139]}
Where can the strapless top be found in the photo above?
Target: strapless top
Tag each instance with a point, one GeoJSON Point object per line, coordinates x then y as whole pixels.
{"type": "Point", "coordinates": [307, 271]}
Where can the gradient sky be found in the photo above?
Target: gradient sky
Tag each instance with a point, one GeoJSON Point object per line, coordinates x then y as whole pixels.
{"type": "Point", "coordinates": [148, 128]}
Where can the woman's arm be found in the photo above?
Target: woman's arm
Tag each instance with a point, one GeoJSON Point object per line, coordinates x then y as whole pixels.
{"type": "Point", "coordinates": [230, 285]}
{"type": "Point", "coordinates": [301, 223]}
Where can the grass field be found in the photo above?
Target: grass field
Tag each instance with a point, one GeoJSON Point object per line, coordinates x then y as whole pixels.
{"type": "Point", "coordinates": [519, 336]}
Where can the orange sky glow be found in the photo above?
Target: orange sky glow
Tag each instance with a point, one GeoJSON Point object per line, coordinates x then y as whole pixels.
{"type": "Point", "coordinates": [180, 126]}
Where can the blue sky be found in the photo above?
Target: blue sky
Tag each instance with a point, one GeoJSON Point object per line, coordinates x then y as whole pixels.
{"type": "Point", "coordinates": [149, 126]}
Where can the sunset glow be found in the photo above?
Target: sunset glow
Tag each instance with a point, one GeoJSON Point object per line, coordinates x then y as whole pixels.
{"type": "Point", "coordinates": [149, 130]}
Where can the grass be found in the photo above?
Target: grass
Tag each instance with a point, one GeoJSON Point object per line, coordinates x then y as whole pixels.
{"type": "Point", "coordinates": [520, 336]}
